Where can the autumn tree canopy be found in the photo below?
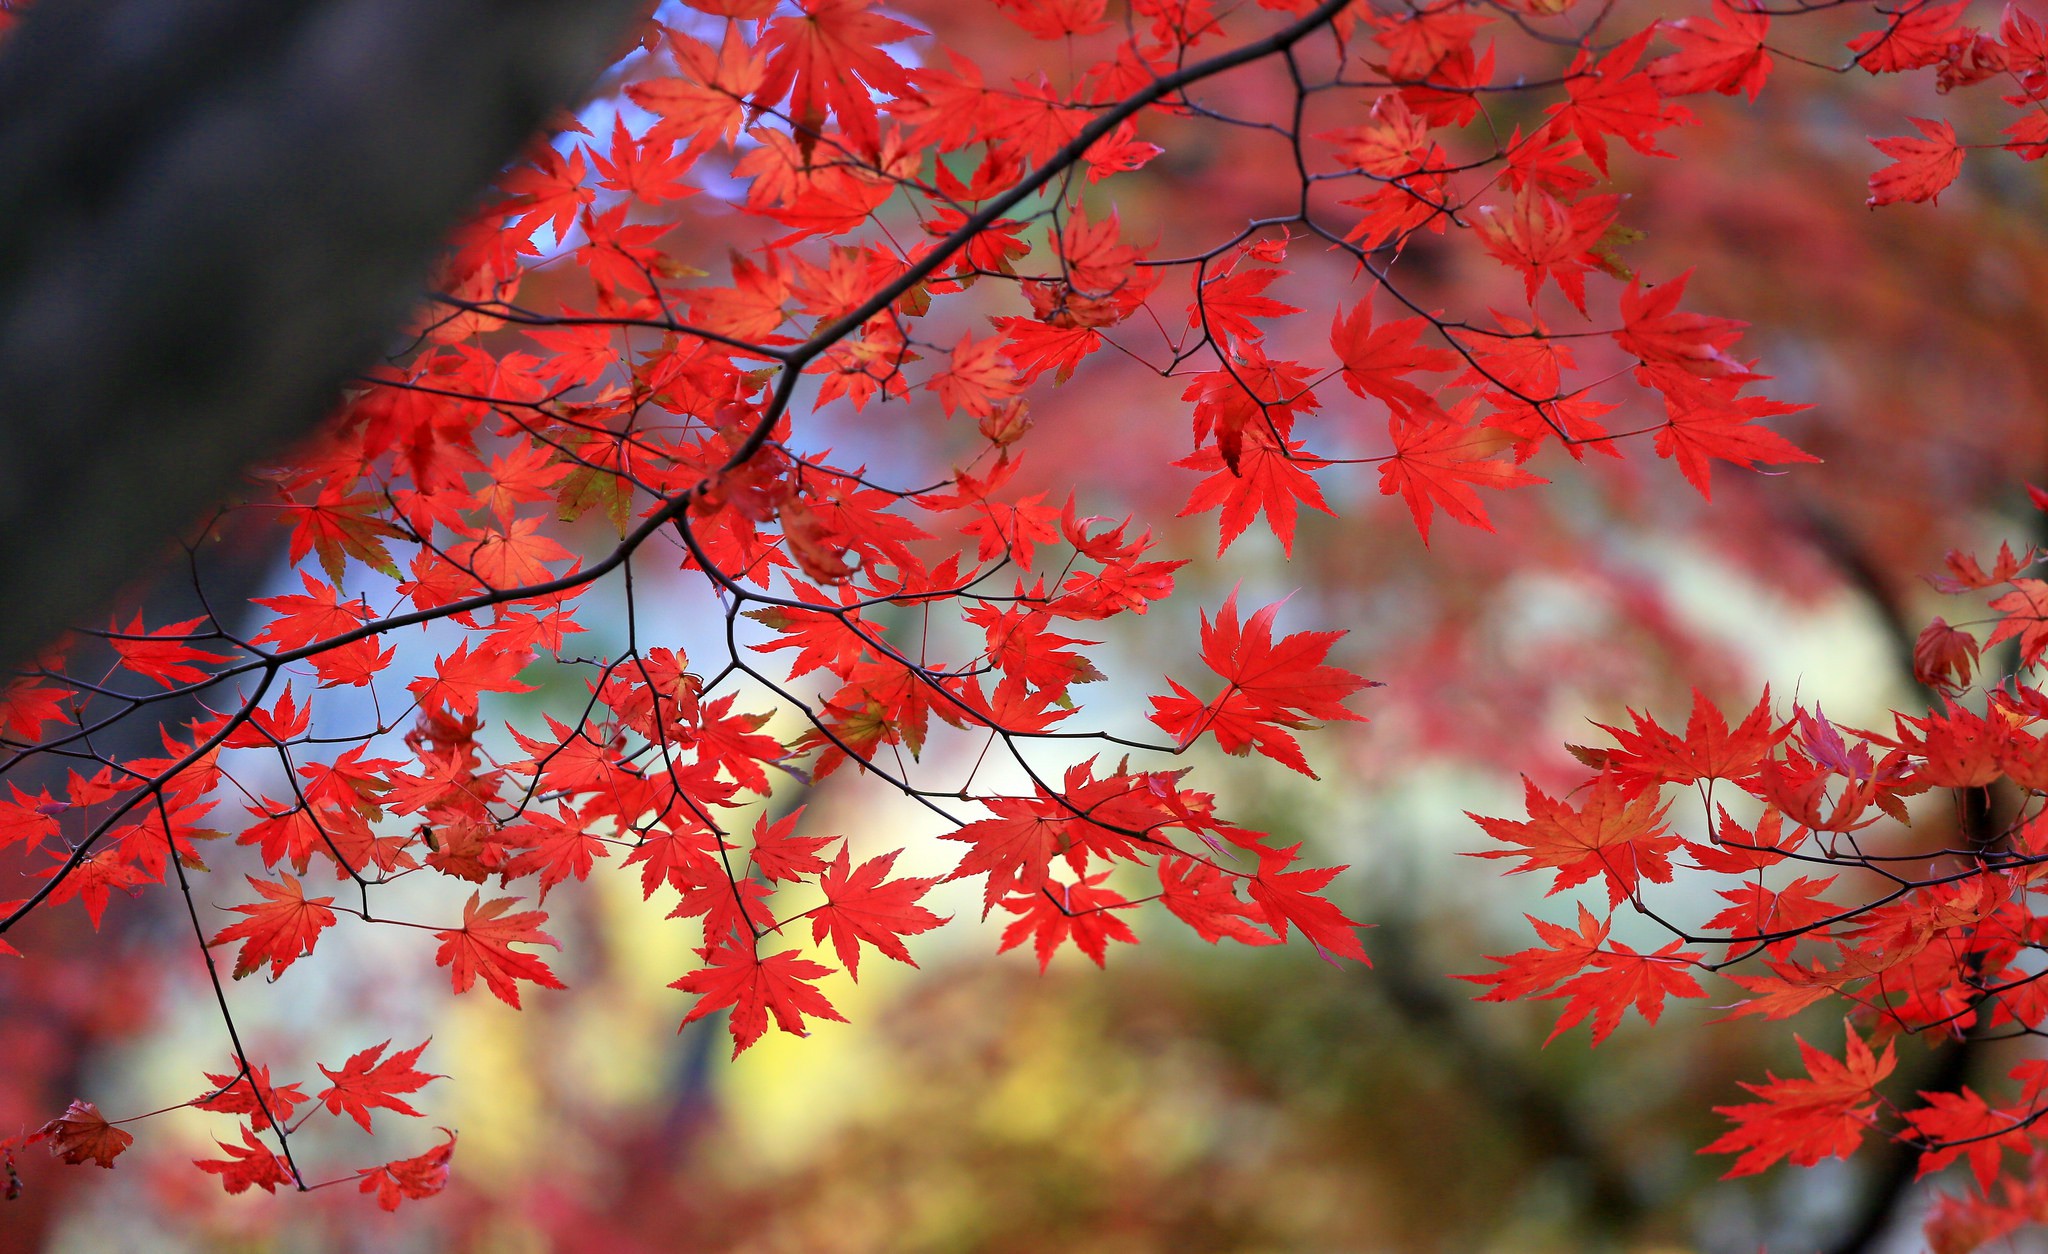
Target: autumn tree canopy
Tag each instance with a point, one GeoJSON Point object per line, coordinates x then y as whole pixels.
{"type": "Point", "coordinates": [763, 420]}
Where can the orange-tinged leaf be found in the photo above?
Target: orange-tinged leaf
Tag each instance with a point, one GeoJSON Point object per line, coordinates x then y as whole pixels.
{"type": "Point", "coordinates": [369, 1081]}
{"type": "Point", "coordinates": [1437, 463]}
{"type": "Point", "coordinates": [483, 946]}
{"type": "Point", "coordinates": [278, 930]}
{"type": "Point", "coordinates": [1620, 977]}
{"type": "Point", "coordinates": [1617, 832]}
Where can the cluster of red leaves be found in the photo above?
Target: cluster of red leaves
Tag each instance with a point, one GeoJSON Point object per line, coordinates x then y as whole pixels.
{"type": "Point", "coordinates": [368, 1081]}
{"type": "Point", "coordinates": [575, 380]}
{"type": "Point", "coordinates": [1833, 898]}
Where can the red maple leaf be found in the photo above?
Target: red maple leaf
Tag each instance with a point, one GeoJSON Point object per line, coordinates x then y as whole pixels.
{"type": "Point", "coordinates": [2026, 616]}
{"type": "Point", "coordinates": [280, 929]}
{"type": "Point", "coordinates": [247, 1091]}
{"type": "Point", "coordinates": [736, 976]}
{"type": "Point", "coordinates": [319, 614]}
{"type": "Point", "coordinates": [1654, 331]}
{"type": "Point", "coordinates": [1708, 750]}
{"type": "Point", "coordinates": [1377, 359]}
{"type": "Point", "coordinates": [861, 906]}
{"type": "Point", "coordinates": [1618, 832]}
{"type": "Point", "coordinates": [82, 1134]}
{"type": "Point", "coordinates": [250, 1163]}
{"type": "Point", "coordinates": [1806, 1120]}
{"type": "Point", "coordinates": [1954, 1124]}
{"type": "Point", "coordinates": [1272, 686]}
{"type": "Point", "coordinates": [1226, 305]}
{"type": "Point", "coordinates": [365, 1083]}
{"type": "Point", "coordinates": [1708, 418]}
{"type": "Point", "coordinates": [1563, 954]}
{"type": "Point", "coordinates": [1615, 98]}
{"type": "Point", "coordinates": [483, 946]}
{"type": "Point", "coordinates": [1620, 976]}
{"type": "Point", "coordinates": [1723, 53]}
{"type": "Point", "coordinates": [1206, 900]}
{"type": "Point", "coordinates": [783, 855]}
{"type": "Point", "coordinates": [1060, 912]}
{"type": "Point", "coordinates": [1913, 37]}
{"type": "Point", "coordinates": [1266, 478]}
{"type": "Point", "coordinates": [421, 1176]}
{"type": "Point", "coordinates": [1294, 897]}
{"type": "Point", "coordinates": [831, 57]}
{"type": "Point", "coordinates": [163, 654]}
{"type": "Point", "coordinates": [1921, 168]}
{"type": "Point", "coordinates": [1436, 464]}
{"type": "Point", "coordinates": [460, 676]}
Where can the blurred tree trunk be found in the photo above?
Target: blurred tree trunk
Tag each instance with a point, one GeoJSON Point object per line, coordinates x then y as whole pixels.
{"type": "Point", "coordinates": [213, 213]}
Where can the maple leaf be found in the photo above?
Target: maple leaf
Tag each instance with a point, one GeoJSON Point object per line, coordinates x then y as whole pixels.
{"type": "Point", "coordinates": [461, 676]}
{"type": "Point", "coordinates": [736, 976]}
{"type": "Point", "coordinates": [1225, 305]}
{"type": "Point", "coordinates": [831, 57]}
{"type": "Point", "coordinates": [1206, 899]}
{"type": "Point", "coordinates": [2025, 611]}
{"type": "Point", "coordinates": [1376, 358]}
{"type": "Point", "coordinates": [781, 853]}
{"type": "Point", "coordinates": [247, 1091]}
{"type": "Point", "coordinates": [976, 380]}
{"type": "Point", "coordinates": [1271, 686]}
{"type": "Point", "coordinates": [1266, 478]}
{"type": "Point", "coordinates": [82, 1134]}
{"type": "Point", "coordinates": [1293, 897]}
{"type": "Point", "coordinates": [365, 1083]}
{"type": "Point", "coordinates": [421, 1176]}
{"type": "Point", "coordinates": [1954, 1124]}
{"type": "Point", "coordinates": [338, 526]}
{"type": "Point", "coordinates": [1621, 976]}
{"type": "Point", "coordinates": [1615, 98]}
{"type": "Point", "coordinates": [1806, 1120]}
{"type": "Point", "coordinates": [278, 930]}
{"type": "Point", "coordinates": [510, 557]}
{"type": "Point", "coordinates": [1914, 37]}
{"type": "Point", "coordinates": [1617, 832]}
{"type": "Point", "coordinates": [1547, 240]}
{"type": "Point", "coordinates": [709, 105]}
{"type": "Point", "coordinates": [483, 946]}
{"type": "Point", "coordinates": [1723, 53]}
{"type": "Point", "coordinates": [250, 1163]}
{"type": "Point", "coordinates": [1563, 954]}
{"type": "Point", "coordinates": [1708, 750]}
{"type": "Point", "coordinates": [1061, 912]}
{"type": "Point", "coordinates": [1707, 418]}
{"type": "Point", "coordinates": [163, 654]}
{"type": "Point", "coordinates": [1920, 168]}
{"type": "Point", "coordinates": [861, 906]}
{"type": "Point", "coordinates": [1436, 464]}
{"type": "Point", "coordinates": [1654, 331]}
{"type": "Point", "coordinates": [556, 845]}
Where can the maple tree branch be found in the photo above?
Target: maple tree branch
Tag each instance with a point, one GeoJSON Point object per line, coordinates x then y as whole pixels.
{"type": "Point", "coordinates": [216, 212]}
